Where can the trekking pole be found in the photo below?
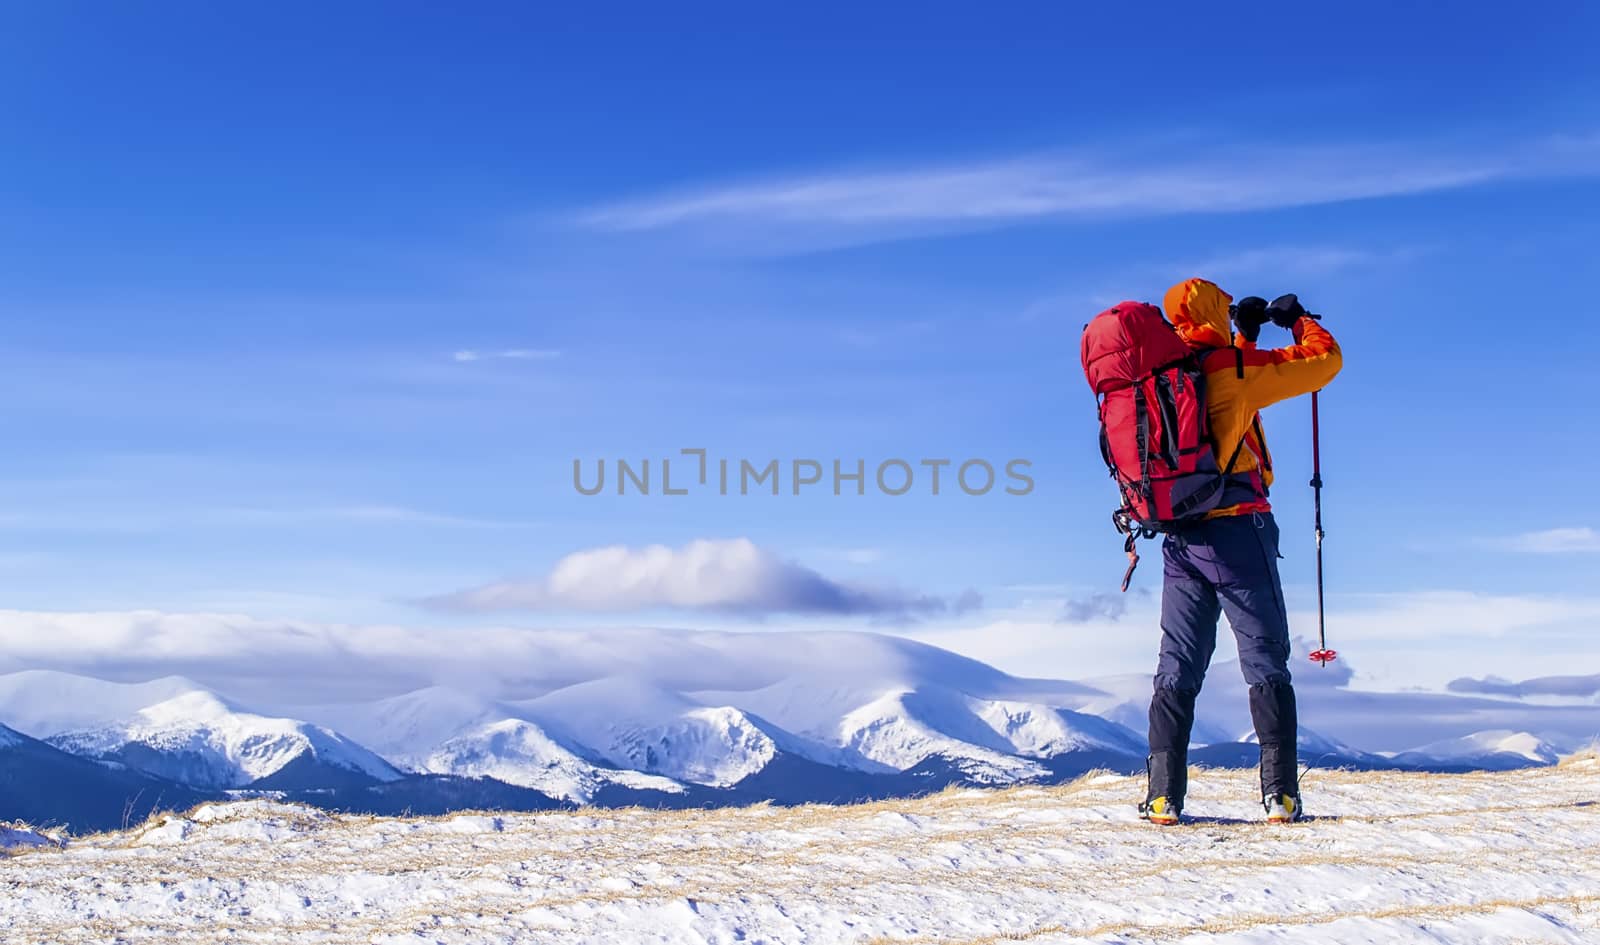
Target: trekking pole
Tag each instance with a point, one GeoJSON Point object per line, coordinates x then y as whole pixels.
{"type": "Point", "coordinates": [1322, 656]}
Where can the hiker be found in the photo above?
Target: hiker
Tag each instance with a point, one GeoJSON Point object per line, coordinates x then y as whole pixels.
{"type": "Point", "coordinates": [1227, 561]}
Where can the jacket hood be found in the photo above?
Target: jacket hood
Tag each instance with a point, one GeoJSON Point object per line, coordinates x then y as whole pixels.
{"type": "Point", "coordinates": [1199, 311]}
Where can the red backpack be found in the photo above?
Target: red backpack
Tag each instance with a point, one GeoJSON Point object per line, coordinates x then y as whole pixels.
{"type": "Point", "coordinates": [1154, 433]}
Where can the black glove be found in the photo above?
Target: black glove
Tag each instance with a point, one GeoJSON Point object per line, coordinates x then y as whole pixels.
{"type": "Point", "coordinates": [1249, 314]}
{"type": "Point", "coordinates": [1285, 310]}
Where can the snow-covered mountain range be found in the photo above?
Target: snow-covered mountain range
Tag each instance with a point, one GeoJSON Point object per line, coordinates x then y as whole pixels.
{"type": "Point", "coordinates": [783, 716]}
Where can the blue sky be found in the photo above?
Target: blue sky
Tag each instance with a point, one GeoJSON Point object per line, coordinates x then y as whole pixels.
{"type": "Point", "coordinates": [307, 311]}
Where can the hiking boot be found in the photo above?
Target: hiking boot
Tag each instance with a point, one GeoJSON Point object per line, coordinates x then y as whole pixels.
{"type": "Point", "coordinates": [1168, 782]}
{"type": "Point", "coordinates": [1281, 808]}
{"type": "Point", "coordinates": [1161, 811]}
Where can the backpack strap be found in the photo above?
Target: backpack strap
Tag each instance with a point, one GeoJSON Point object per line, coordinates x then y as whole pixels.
{"type": "Point", "coordinates": [1228, 469]}
{"type": "Point", "coordinates": [1238, 370]}
{"type": "Point", "coordinates": [1168, 404]}
{"type": "Point", "coordinates": [1141, 407]}
{"type": "Point", "coordinates": [1261, 441]}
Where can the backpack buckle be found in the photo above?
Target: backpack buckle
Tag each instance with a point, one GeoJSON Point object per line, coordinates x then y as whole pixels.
{"type": "Point", "coordinates": [1122, 522]}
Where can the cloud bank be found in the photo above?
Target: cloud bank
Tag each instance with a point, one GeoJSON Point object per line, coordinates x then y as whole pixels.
{"type": "Point", "coordinates": [286, 661]}
{"type": "Point", "coordinates": [283, 662]}
{"type": "Point", "coordinates": [1574, 687]}
{"type": "Point", "coordinates": [1103, 605]}
{"type": "Point", "coordinates": [732, 576]}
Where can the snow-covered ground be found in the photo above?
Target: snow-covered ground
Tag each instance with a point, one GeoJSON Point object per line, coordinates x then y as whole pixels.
{"type": "Point", "coordinates": [1389, 857]}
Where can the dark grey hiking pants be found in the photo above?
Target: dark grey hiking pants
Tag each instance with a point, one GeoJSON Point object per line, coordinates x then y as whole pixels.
{"type": "Point", "coordinates": [1223, 566]}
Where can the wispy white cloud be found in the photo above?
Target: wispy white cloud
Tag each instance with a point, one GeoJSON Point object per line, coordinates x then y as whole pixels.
{"type": "Point", "coordinates": [468, 355]}
{"type": "Point", "coordinates": [1296, 261]}
{"type": "Point", "coordinates": [382, 514]}
{"type": "Point", "coordinates": [728, 576]}
{"type": "Point", "coordinates": [1097, 185]}
{"type": "Point", "coordinates": [1551, 541]}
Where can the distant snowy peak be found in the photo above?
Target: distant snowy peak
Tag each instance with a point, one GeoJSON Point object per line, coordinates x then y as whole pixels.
{"type": "Point", "coordinates": [1041, 731]}
{"type": "Point", "coordinates": [1483, 748]}
{"type": "Point", "coordinates": [714, 745]}
{"type": "Point", "coordinates": [42, 703]}
{"type": "Point", "coordinates": [408, 728]}
{"type": "Point", "coordinates": [634, 724]}
{"type": "Point", "coordinates": [519, 752]}
{"type": "Point", "coordinates": [199, 739]}
{"type": "Point", "coordinates": [9, 738]}
{"type": "Point", "coordinates": [197, 707]}
{"type": "Point", "coordinates": [901, 730]}
{"type": "Point", "coordinates": [1313, 745]}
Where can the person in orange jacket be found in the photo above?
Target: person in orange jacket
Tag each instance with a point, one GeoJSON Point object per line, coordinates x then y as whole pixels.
{"type": "Point", "coordinates": [1228, 562]}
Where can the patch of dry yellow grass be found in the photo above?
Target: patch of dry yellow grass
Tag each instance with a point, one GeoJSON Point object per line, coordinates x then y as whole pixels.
{"type": "Point", "coordinates": [1588, 753]}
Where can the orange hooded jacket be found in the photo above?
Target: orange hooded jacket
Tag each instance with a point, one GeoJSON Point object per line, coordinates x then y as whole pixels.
{"type": "Point", "coordinates": [1240, 383]}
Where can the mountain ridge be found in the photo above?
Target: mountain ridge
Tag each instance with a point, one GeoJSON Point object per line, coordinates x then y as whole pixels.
{"type": "Point", "coordinates": [876, 716]}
